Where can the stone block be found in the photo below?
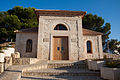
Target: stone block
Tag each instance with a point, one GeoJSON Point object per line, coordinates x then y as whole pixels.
{"type": "Point", "coordinates": [95, 65]}
{"type": "Point", "coordinates": [110, 73]}
{"type": "Point", "coordinates": [16, 55]}
{"type": "Point", "coordinates": [2, 55]}
{"type": "Point", "coordinates": [1, 67]}
{"type": "Point", "coordinates": [8, 62]}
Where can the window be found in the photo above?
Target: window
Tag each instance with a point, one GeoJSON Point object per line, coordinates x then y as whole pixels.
{"type": "Point", "coordinates": [29, 45]}
{"type": "Point", "coordinates": [60, 27]}
{"type": "Point", "coordinates": [89, 47]}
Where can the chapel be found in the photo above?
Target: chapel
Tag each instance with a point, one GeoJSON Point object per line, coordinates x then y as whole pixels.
{"type": "Point", "coordinates": [59, 36]}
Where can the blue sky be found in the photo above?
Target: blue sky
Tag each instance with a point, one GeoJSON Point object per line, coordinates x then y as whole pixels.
{"type": "Point", "coordinates": [108, 9]}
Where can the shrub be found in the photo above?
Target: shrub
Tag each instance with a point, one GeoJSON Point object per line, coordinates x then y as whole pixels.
{"type": "Point", "coordinates": [0, 47]}
{"type": "Point", "coordinates": [105, 57]}
{"type": "Point", "coordinates": [113, 64]}
{"type": "Point", "coordinates": [1, 51]}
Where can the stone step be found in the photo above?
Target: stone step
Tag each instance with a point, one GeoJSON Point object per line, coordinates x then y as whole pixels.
{"type": "Point", "coordinates": [67, 64]}
{"type": "Point", "coordinates": [62, 78]}
{"type": "Point", "coordinates": [10, 75]}
{"type": "Point", "coordinates": [60, 72]}
{"type": "Point", "coordinates": [66, 61]}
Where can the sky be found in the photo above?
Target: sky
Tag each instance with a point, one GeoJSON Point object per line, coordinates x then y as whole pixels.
{"type": "Point", "coordinates": [109, 10]}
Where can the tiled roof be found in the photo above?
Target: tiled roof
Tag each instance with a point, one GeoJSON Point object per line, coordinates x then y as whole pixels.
{"type": "Point", "coordinates": [35, 29]}
{"type": "Point", "coordinates": [28, 30]}
{"type": "Point", "coordinates": [59, 13]}
{"type": "Point", "coordinates": [91, 32]}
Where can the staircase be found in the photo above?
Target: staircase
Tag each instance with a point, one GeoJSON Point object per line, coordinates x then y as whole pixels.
{"type": "Point", "coordinates": [50, 70]}
{"type": "Point", "coordinates": [62, 70]}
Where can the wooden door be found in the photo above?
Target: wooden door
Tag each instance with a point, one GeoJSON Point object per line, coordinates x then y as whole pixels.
{"type": "Point", "coordinates": [60, 48]}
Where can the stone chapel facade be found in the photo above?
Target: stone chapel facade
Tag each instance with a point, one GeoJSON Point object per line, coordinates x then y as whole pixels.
{"type": "Point", "coordinates": [59, 36]}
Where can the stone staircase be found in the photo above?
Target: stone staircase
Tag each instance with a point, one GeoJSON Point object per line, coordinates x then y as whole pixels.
{"type": "Point", "coordinates": [62, 70]}
{"type": "Point", "coordinates": [52, 70]}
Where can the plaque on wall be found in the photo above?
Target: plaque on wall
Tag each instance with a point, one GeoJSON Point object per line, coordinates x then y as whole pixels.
{"type": "Point", "coordinates": [45, 39]}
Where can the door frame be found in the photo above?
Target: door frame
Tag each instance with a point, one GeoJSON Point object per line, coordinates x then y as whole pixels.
{"type": "Point", "coordinates": [66, 46]}
{"type": "Point", "coordinates": [51, 43]}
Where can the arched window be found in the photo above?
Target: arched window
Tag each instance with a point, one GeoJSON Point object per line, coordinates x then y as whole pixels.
{"type": "Point", "coordinates": [60, 27]}
{"type": "Point", "coordinates": [29, 45]}
{"type": "Point", "coordinates": [89, 47]}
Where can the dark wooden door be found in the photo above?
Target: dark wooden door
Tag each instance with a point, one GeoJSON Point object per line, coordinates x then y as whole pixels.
{"type": "Point", "coordinates": [60, 48]}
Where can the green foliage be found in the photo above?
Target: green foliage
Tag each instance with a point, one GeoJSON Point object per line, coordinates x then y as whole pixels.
{"type": "Point", "coordinates": [25, 15]}
{"type": "Point", "coordinates": [15, 19]}
{"type": "Point", "coordinates": [104, 57]}
{"type": "Point", "coordinates": [113, 64]}
{"type": "Point", "coordinates": [3, 34]}
{"type": "Point", "coordinates": [1, 51]}
{"type": "Point", "coordinates": [94, 22]}
{"type": "Point", "coordinates": [114, 45]}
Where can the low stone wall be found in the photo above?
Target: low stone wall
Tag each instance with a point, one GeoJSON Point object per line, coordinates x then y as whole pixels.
{"type": "Point", "coordinates": [24, 61]}
{"type": "Point", "coordinates": [9, 51]}
{"type": "Point", "coordinates": [110, 73]}
{"type": "Point", "coordinates": [114, 56]}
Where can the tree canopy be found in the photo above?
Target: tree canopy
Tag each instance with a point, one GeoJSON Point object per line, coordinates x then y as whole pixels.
{"type": "Point", "coordinates": [114, 46]}
{"type": "Point", "coordinates": [15, 19]}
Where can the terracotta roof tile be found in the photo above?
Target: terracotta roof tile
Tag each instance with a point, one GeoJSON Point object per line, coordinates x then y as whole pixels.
{"type": "Point", "coordinates": [91, 32]}
{"type": "Point", "coordinates": [35, 29]}
{"type": "Point", "coordinates": [59, 13]}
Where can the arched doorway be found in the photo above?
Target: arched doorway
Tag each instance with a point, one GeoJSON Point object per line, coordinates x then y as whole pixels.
{"type": "Point", "coordinates": [60, 44]}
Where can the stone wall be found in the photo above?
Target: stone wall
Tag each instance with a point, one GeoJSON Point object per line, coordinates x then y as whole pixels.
{"type": "Point", "coordinates": [8, 62]}
{"type": "Point", "coordinates": [24, 61]}
{"type": "Point", "coordinates": [114, 56]}
{"type": "Point", "coordinates": [1, 67]}
{"type": "Point", "coordinates": [8, 51]}
{"type": "Point", "coordinates": [96, 47]}
{"type": "Point", "coordinates": [20, 46]}
{"type": "Point", "coordinates": [46, 33]}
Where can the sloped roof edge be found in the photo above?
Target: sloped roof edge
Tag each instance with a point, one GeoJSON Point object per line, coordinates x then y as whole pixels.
{"type": "Point", "coordinates": [35, 29]}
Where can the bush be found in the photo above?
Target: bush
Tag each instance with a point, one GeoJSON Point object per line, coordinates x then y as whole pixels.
{"type": "Point", "coordinates": [113, 64]}
{"type": "Point", "coordinates": [0, 47]}
{"type": "Point", "coordinates": [1, 51]}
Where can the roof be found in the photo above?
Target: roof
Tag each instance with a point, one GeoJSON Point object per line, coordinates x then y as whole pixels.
{"type": "Point", "coordinates": [35, 29]}
{"type": "Point", "coordinates": [59, 13]}
{"type": "Point", "coordinates": [91, 32]}
{"type": "Point", "coordinates": [28, 30]}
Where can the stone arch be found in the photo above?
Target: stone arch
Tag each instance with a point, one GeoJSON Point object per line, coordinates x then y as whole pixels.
{"type": "Point", "coordinates": [60, 22]}
{"type": "Point", "coordinates": [60, 27]}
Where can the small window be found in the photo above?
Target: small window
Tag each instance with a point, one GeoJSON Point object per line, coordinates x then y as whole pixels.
{"type": "Point", "coordinates": [60, 27]}
{"type": "Point", "coordinates": [89, 47]}
{"type": "Point", "coordinates": [29, 45]}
